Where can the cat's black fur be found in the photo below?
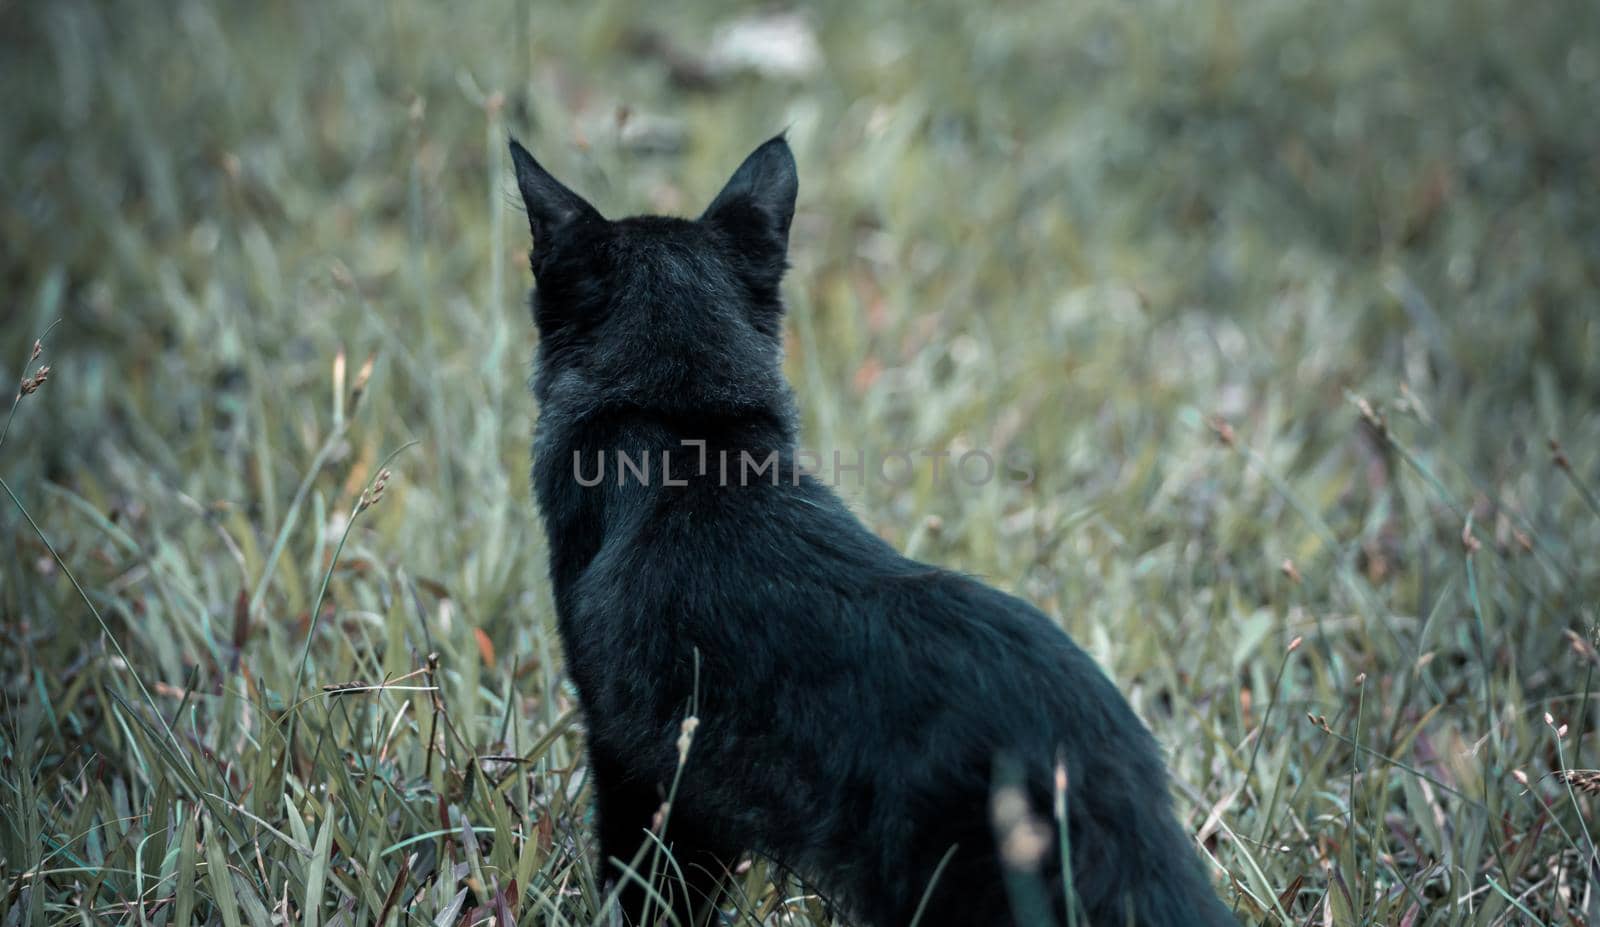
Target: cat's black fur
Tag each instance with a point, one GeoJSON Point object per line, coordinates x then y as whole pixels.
{"type": "Point", "coordinates": [854, 706]}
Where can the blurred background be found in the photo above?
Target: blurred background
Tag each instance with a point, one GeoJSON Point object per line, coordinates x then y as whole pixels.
{"type": "Point", "coordinates": [1287, 301]}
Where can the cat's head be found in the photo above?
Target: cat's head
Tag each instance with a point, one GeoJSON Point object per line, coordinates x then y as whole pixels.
{"type": "Point", "coordinates": [683, 315]}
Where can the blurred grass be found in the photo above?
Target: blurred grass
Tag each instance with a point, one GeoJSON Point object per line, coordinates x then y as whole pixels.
{"type": "Point", "coordinates": [1283, 299]}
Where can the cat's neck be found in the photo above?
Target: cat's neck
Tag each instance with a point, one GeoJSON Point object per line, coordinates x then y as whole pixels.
{"type": "Point", "coordinates": [597, 469]}
{"type": "Point", "coordinates": [634, 428]}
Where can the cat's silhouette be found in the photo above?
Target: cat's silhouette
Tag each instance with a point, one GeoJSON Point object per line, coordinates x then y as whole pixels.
{"type": "Point", "coordinates": [885, 729]}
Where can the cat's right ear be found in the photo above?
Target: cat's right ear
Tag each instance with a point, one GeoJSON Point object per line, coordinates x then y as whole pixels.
{"type": "Point", "coordinates": [760, 195]}
{"type": "Point", "coordinates": [552, 208]}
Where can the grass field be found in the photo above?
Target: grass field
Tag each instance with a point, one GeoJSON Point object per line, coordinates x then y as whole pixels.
{"type": "Point", "coordinates": [1285, 300]}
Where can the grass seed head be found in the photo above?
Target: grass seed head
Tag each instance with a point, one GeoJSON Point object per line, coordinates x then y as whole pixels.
{"type": "Point", "coordinates": [1024, 839]}
{"type": "Point", "coordinates": [1582, 647]}
{"type": "Point", "coordinates": [336, 689]}
{"type": "Point", "coordinates": [374, 495]}
{"type": "Point", "coordinates": [686, 738]}
{"type": "Point", "coordinates": [30, 385]}
{"type": "Point", "coordinates": [1559, 456]}
{"type": "Point", "coordinates": [359, 388]}
{"type": "Point", "coordinates": [1584, 780]}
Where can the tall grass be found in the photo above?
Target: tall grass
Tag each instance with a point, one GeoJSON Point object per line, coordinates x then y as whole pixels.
{"type": "Point", "coordinates": [1284, 301]}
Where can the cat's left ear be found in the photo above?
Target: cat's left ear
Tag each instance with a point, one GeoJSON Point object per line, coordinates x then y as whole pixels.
{"type": "Point", "coordinates": [760, 196]}
{"type": "Point", "coordinates": [552, 208]}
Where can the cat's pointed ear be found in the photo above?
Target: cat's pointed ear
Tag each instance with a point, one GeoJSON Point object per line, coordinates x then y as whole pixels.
{"type": "Point", "coordinates": [761, 191]}
{"type": "Point", "coordinates": [552, 208]}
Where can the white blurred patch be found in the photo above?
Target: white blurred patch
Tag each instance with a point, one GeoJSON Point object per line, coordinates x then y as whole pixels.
{"type": "Point", "coordinates": [777, 45]}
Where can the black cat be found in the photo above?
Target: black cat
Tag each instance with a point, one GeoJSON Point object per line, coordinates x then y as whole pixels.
{"type": "Point", "coordinates": [887, 730]}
